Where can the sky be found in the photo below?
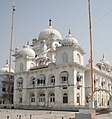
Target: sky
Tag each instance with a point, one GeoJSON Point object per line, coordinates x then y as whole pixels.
{"type": "Point", "coordinates": [32, 16]}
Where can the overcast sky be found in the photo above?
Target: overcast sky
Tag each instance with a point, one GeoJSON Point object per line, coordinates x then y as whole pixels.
{"type": "Point", "coordinates": [31, 17]}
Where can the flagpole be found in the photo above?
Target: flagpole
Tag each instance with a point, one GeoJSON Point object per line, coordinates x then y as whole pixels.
{"type": "Point", "coordinates": [91, 49]}
{"type": "Point", "coordinates": [10, 59]}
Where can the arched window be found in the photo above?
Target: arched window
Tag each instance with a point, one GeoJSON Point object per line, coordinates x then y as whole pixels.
{"type": "Point", "coordinates": [78, 58]}
{"type": "Point", "coordinates": [79, 77]}
{"type": "Point", "coordinates": [42, 97]}
{"type": "Point", "coordinates": [41, 80]}
{"type": "Point", "coordinates": [64, 76]}
{"type": "Point", "coordinates": [32, 98]}
{"type": "Point", "coordinates": [20, 100]}
{"type": "Point", "coordinates": [38, 82]}
{"type": "Point", "coordinates": [20, 82]}
{"type": "Point", "coordinates": [102, 84]}
{"type": "Point", "coordinates": [65, 98]}
{"type": "Point", "coordinates": [51, 98]}
{"type": "Point", "coordinates": [51, 79]}
{"type": "Point", "coordinates": [21, 67]}
{"type": "Point", "coordinates": [32, 81]}
{"type": "Point", "coordinates": [3, 89]}
{"type": "Point", "coordinates": [64, 58]}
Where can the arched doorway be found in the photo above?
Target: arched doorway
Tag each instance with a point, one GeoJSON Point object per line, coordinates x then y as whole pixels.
{"type": "Point", "coordinates": [102, 101]}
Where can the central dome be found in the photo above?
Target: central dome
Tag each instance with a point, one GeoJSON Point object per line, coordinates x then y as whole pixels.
{"type": "Point", "coordinates": [49, 33]}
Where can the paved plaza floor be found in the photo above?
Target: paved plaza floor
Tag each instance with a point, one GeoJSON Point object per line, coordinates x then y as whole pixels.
{"type": "Point", "coordinates": [38, 114]}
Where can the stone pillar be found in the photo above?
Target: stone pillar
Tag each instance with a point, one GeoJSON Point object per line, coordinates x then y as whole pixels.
{"type": "Point", "coordinates": [46, 98]}
{"type": "Point", "coordinates": [15, 99]}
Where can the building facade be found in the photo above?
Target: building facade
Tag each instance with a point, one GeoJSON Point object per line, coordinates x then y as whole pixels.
{"type": "Point", "coordinates": [4, 80]}
{"type": "Point", "coordinates": [102, 83]}
{"type": "Point", "coordinates": [50, 72]}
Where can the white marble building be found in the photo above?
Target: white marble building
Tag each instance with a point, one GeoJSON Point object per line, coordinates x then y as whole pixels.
{"type": "Point", "coordinates": [102, 83]}
{"type": "Point", "coordinates": [4, 76]}
{"type": "Point", "coordinates": [51, 72]}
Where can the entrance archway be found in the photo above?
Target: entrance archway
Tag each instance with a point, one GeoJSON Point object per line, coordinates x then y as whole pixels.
{"type": "Point", "coordinates": [103, 90]}
{"type": "Point", "coordinates": [102, 99]}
